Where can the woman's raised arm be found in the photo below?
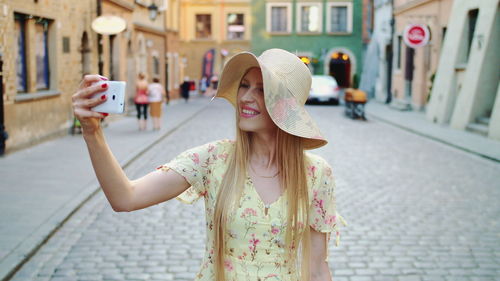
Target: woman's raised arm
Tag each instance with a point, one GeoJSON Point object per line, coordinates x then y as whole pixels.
{"type": "Point", "coordinates": [122, 193]}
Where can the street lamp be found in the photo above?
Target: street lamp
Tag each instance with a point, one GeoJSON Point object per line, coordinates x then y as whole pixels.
{"type": "Point", "coordinates": [153, 11]}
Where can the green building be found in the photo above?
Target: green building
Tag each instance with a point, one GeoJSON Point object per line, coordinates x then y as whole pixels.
{"type": "Point", "coordinates": [326, 34]}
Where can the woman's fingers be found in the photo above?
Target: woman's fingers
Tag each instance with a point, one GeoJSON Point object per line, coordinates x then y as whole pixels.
{"type": "Point", "coordinates": [83, 113]}
{"type": "Point", "coordinates": [88, 92]}
{"type": "Point", "coordinates": [90, 79]}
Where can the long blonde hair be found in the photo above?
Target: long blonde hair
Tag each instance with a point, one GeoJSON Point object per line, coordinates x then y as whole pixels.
{"type": "Point", "coordinates": [291, 163]}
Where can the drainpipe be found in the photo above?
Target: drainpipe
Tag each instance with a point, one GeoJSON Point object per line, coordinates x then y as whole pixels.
{"type": "Point", "coordinates": [3, 134]}
{"type": "Point", "coordinates": [391, 56]}
{"type": "Point", "coordinates": [99, 40]}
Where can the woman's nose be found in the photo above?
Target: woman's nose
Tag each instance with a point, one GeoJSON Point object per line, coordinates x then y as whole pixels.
{"type": "Point", "coordinates": [247, 96]}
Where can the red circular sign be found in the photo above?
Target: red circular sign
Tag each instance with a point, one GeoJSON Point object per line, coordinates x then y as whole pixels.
{"type": "Point", "coordinates": [416, 35]}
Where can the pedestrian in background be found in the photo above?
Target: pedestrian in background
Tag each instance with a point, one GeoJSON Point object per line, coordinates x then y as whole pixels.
{"type": "Point", "coordinates": [185, 87]}
{"type": "Point", "coordinates": [141, 100]}
{"type": "Point", "coordinates": [203, 85]}
{"type": "Point", "coordinates": [270, 205]}
{"type": "Point", "coordinates": [157, 95]}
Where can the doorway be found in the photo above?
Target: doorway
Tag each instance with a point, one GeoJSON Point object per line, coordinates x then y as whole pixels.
{"type": "Point", "coordinates": [85, 52]}
{"type": "Point", "coordinates": [340, 69]}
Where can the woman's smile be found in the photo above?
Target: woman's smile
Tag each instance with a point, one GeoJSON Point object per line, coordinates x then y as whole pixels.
{"type": "Point", "coordinates": [248, 112]}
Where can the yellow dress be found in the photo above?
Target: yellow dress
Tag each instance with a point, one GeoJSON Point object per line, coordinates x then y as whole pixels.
{"type": "Point", "coordinates": [256, 240]}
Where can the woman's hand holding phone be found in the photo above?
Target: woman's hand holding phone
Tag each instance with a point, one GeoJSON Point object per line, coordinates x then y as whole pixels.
{"type": "Point", "coordinates": [85, 98]}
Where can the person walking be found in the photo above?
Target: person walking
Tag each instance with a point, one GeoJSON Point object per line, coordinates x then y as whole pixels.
{"type": "Point", "coordinates": [157, 95]}
{"type": "Point", "coordinates": [269, 204]}
{"type": "Point", "coordinates": [141, 101]}
{"type": "Point", "coordinates": [185, 87]}
{"type": "Point", "coordinates": [203, 85]}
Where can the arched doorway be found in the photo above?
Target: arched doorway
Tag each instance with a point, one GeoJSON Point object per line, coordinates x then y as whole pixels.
{"type": "Point", "coordinates": [340, 68]}
{"type": "Point", "coordinates": [329, 56]}
{"type": "Point", "coordinates": [85, 52]}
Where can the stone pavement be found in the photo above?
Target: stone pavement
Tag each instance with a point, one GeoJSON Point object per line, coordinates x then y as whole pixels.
{"type": "Point", "coordinates": [416, 122]}
{"type": "Point", "coordinates": [417, 210]}
{"type": "Point", "coordinates": [41, 186]}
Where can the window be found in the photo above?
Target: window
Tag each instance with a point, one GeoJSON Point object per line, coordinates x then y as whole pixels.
{"type": "Point", "coordinates": [21, 54]}
{"type": "Point", "coordinates": [156, 65]}
{"type": "Point", "coordinates": [235, 26]}
{"type": "Point", "coordinates": [39, 43]}
{"type": "Point", "coordinates": [203, 26]}
{"type": "Point", "coordinates": [42, 55]}
{"type": "Point", "coordinates": [278, 17]}
{"type": "Point", "coordinates": [309, 17]}
{"type": "Point", "coordinates": [339, 17]}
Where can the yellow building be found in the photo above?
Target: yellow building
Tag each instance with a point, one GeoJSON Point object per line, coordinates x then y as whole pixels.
{"type": "Point", "coordinates": [212, 30]}
{"type": "Point", "coordinates": [172, 59]}
{"type": "Point", "coordinates": [140, 47]}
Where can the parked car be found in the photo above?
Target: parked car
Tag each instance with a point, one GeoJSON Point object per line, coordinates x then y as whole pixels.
{"type": "Point", "coordinates": [324, 88]}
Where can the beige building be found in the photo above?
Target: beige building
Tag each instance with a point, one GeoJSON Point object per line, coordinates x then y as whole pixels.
{"type": "Point", "coordinates": [434, 14]}
{"type": "Point", "coordinates": [45, 47]}
{"type": "Point", "coordinates": [173, 46]}
{"type": "Point", "coordinates": [466, 92]}
{"type": "Point", "coordinates": [221, 26]}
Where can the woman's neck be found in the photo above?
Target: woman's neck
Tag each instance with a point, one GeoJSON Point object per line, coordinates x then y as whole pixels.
{"type": "Point", "coordinates": [263, 150]}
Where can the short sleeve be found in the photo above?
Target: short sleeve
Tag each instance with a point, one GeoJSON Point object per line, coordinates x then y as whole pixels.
{"type": "Point", "coordinates": [194, 165]}
{"type": "Point", "coordinates": [323, 216]}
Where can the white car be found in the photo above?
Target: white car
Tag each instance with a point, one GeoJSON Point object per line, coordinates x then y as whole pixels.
{"type": "Point", "coordinates": [324, 88]}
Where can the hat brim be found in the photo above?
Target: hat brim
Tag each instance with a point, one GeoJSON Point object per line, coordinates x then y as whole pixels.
{"type": "Point", "coordinates": [284, 109]}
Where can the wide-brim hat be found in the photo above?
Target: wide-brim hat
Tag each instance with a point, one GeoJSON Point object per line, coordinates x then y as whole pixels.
{"type": "Point", "coordinates": [287, 82]}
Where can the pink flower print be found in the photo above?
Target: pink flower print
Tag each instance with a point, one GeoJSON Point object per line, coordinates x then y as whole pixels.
{"type": "Point", "coordinates": [328, 171]}
{"type": "Point", "coordinates": [282, 108]}
{"type": "Point", "coordinates": [275, 230]}
{"type": "Point", "coordinates": [271, 275]}
{"type": "Point", "coordinates": [228, 265]}
{"type": "Point", "coordinates": [248, 212]}
{"type": "Point", "coordinates": [211, 147]}
{"type": "Point", "coordinates": [253, 246]}
{"type": "Point", "coordinates": [330, 220]}
{"type": "Point", "coordinates": [242, 256]}
{"type": "Point", "coordinates": [196, 158]}
{"type": "Point", "coordinates": [311, 170]}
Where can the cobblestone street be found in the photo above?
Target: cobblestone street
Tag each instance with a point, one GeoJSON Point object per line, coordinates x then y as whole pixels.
{"type": "Point", "coordinates": [416, 210]}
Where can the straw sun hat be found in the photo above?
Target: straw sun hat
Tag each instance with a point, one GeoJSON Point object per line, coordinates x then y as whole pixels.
{"type": "Point", "coordinates": [287, 82]}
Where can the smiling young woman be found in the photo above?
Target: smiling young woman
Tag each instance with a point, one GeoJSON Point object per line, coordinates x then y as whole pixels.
{"type": "Point", "coordinates": [270, 205]}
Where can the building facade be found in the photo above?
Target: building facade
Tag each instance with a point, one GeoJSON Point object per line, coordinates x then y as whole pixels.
{"type": "Point", "coordinates": [327, 34]}
{"type": "Point", "coordinates": [377, 68]}
{"type": "Point", "coordinates": [210, 32]}
{"type": "Point", "coordinates": [172, 60]}
{"type": "Point", "coordinates": [411, 85]}
{"type": "Point", "coordinates": [466, 88]}
{"type": "Point", "coordinates": [46, 47]}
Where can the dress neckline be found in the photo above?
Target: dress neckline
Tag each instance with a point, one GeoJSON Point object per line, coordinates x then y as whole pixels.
{"type": "Point", "coordinates": [266, 206]}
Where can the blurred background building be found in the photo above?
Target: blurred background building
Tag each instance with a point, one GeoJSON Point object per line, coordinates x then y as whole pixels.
{"type": "Point", "coordinates": [466, 89]}
{"type": "Point", "coordinates": [210, 32]}
{"type": "Point", "coordinates": [327, 34]}
{"type": "Point", "coordinates": [46, 46]}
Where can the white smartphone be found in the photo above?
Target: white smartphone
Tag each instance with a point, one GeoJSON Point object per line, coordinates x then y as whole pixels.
{"type": "Point", "coordinates": [115, 102]}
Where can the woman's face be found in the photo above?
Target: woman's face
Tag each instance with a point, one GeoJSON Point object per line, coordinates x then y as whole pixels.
{"type": "Point", "coordinates": [253, 115]}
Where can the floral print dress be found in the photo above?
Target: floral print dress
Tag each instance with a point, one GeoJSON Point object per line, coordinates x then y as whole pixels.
{"type": "Point", "coordinates": [256, 247]}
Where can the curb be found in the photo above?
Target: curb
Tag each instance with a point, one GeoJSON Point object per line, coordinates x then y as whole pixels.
{"type": "Point", "coordinates": [429, 136]}
{"type": "Point", "coordinates": [37, 239]}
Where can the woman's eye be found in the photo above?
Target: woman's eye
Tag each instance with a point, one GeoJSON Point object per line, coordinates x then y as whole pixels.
{"type": "Point", "coordinates": [243, 86]}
